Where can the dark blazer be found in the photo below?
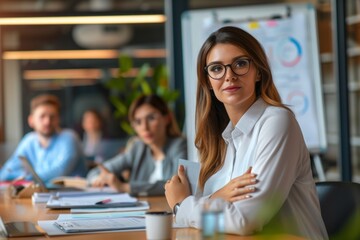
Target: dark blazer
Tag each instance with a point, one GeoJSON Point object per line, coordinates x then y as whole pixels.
{"type": "Point", "coordinates": [138, 159]}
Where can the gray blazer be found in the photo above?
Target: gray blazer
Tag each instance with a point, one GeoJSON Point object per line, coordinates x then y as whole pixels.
{"type": "Point", "coordinates": [139, 161]}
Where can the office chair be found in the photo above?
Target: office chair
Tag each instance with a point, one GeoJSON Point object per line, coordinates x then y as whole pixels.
{"type": "Point", "coordinates": [340, 208]}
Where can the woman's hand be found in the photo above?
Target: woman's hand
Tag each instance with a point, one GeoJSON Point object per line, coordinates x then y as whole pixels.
{"type": "Point", "coordinates": [238, 188]}
{"type": "Point", "coordinates": [178, 188]}
{"type": "Point", "coordinates": [108, 178]}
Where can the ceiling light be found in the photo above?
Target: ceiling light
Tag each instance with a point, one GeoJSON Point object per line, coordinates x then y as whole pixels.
{"type": "Point", "coordinates": [82, 54]}
{"type": "Point", "coordinates": [92, 73]}
{"type": "Point", "coordinates": [64, 20]}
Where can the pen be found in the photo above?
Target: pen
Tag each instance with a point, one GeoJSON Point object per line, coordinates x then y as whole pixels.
{"type": "Point", "coordinates": [104, 201]}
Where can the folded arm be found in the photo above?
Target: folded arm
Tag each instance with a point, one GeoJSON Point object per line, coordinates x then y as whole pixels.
{"type": "Point", "coordinates": [276, 166]}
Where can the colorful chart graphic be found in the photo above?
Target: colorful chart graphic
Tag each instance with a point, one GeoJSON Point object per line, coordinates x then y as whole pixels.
{"type": "Point", "coordinates": [289, 52]}
{"type": "Point", "coordinates": [298, 102]}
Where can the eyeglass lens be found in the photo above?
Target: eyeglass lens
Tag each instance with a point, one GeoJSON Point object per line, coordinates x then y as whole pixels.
{"type": "Point", "coordinates": [239, 67]}
{"type": "Point", "coordinates": [152, 117]}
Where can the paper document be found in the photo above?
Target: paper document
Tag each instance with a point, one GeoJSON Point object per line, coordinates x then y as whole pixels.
{"type": "Point", "coordinates": [100, 215]}
{"type": "Point", "coordinates": [106, 224]}
{"type": "Point", "coordinates": [141, 206]}
{"type": "Point", "coordinates": [192, 170]}
{"type": "Point", "coordinates": [49, 227]}
{"type": "Point", "coordinates": [43, 197]}
{"type": "Point", "coordinates": [95, 201]}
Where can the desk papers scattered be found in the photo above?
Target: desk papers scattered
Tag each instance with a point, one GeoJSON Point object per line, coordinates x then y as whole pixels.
{"type": "Point", "coordinates": [192, 170]}
{"type": "Point", "coordinates": [92, 201]}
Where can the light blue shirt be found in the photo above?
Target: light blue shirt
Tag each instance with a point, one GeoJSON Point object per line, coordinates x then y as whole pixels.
{"type": "Point", "coordinates": [63, 157]}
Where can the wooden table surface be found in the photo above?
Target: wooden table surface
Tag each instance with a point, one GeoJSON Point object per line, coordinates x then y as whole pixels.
{"type": "Point", "coordinates": [23, 210]}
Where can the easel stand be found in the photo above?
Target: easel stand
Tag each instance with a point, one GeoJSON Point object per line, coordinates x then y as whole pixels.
{"type": "Point", "coordinates": [319, 167]}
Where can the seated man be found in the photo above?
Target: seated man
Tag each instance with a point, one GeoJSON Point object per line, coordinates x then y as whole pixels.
{"type": "Point", "coordinates": [52, 151]}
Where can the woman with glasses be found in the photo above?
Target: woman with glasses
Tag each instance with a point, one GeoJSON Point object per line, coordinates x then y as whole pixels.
{"type": "Point", "coordinates": [241, 124]}
{"type": "Point", "coordinates": [151, 158]}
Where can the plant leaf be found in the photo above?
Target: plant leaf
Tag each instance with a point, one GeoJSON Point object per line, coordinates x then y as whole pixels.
{"type": "Point", "coordinates": [146, 88]}
{"type": "Point", "coordinates": [141, 75]}
{"type": "Point", "coordinates": [116, 83]}
{"type": "Point", "coordinates": [125, 63]}
{"type": "Point", "coordinates": [127, 128]}
{"type": "Point", "coordinates": [125, 89]}
{"type": "Point", "coordinates": [161, 77]}
{"type": "Point", "coordinates": [119, 105]}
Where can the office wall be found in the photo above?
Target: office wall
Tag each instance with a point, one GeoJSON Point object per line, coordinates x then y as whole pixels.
{"type": "Point", "coordinates": [12, 99]}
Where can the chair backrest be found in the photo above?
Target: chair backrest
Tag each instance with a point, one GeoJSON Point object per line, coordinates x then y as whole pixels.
{"type": "Point", "coordinates": [340, 208]}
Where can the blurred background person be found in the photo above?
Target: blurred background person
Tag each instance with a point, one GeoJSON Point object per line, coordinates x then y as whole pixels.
{"type": "Point", "coordinates": [92, 137]}
{"type": "Point", "coordinates": [152, 157]}
{"type": "Point", "coordinates": [52, 151]}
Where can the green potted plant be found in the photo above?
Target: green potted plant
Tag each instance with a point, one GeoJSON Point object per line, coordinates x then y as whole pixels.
{"type": "Point", "coordinates": [125, 89]}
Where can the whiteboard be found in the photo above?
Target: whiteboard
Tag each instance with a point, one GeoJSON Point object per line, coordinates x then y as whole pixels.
{"type": "Point", "coordinates": [289, 36]}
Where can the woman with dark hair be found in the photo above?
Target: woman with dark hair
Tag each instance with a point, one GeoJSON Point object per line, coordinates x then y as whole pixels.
{"type": "Point", "coordinates": [152, 157]}
{"type": "Point", "coordinates": [241, 123]}
{"type": "Point", "coordinates": [92, 137]}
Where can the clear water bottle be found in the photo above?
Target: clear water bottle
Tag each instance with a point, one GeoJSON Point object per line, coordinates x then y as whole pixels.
{"type": "Point", "coordinates": [212, 219]}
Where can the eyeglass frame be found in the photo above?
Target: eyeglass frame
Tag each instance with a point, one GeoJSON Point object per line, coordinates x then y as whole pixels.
{"type": "Point", "coordinates": [153, 116]}
{"type": "Point", "coordinates": [228, 65]}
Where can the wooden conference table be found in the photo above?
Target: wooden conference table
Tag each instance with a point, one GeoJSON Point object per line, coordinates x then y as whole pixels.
{"type": "Point", "coordinates": [23, 210]}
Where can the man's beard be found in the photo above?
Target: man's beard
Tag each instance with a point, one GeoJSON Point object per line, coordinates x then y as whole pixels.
{"type": "Point", "coordinates": [47, 134]}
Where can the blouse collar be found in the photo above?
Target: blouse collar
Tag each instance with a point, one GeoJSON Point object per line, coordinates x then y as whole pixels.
{"type": "Point", "coordinates": [246, 122]}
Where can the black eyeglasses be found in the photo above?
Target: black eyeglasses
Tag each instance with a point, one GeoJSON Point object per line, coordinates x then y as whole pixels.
{"type": "Point", "coordinates": [217, 71]}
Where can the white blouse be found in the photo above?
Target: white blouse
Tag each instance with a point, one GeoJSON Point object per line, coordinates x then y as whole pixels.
{"type": "Point", "coordinates": [157, 174]}
{"type": "Point", "coordinates": [269, 139]}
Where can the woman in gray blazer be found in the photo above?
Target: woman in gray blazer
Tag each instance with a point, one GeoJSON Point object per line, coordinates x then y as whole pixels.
{"type": "Point", "coordinates": [151, 158]}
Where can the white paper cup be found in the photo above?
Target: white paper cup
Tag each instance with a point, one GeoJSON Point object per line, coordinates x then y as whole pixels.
{"type": "Point", "coordinates": [158, 225]}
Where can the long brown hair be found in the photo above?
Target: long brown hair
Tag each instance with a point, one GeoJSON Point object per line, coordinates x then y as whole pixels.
{"type": "Point", "coordinates": [172, 129]}
{"type": "Point", "coordinates": [211, 116]}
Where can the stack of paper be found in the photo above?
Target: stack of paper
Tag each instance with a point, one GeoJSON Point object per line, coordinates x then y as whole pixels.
{"type": "Point", "coordinates": [95, 222]}
{"type": "Point", "coordinates": [141, 206]}
{"type": "Point", "coordinates": [104, 200]}
{"type": "Point", "coordinates": [40, 197]}
{"type": "Point", "coordinates": [92, 225]}
{"type": "Point", "coordinates": [43, 197]}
